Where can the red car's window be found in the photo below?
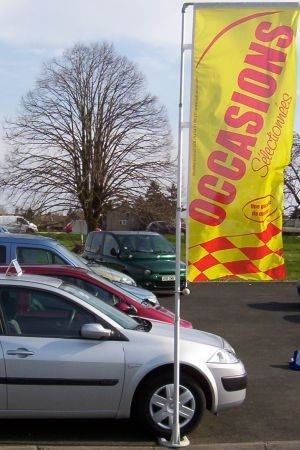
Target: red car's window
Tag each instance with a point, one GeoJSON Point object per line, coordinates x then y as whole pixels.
{"type": "Point", "coordinates": [2, 254]}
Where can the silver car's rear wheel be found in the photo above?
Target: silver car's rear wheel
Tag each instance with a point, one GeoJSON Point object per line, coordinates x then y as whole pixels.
{"type": "Point", "coordinates": [154, 404]}
{"type": "Point", "coordinates": [162, 406]}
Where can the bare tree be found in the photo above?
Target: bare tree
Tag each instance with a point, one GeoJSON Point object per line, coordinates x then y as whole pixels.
{"type": "Point", "coordinates": [88, 134]}
{"type": "Point", "coordinates": [292, 179]}
{"type": "Point", "coordinates": [156, 204]}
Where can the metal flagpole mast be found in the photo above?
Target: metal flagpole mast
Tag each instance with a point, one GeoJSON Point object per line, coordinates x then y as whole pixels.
{"type": "Point", "coordinates": [176, 441]}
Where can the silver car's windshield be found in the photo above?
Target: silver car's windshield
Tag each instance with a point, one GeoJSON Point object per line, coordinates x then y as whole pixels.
{"type": "Point", "coordinates": [113, 313]}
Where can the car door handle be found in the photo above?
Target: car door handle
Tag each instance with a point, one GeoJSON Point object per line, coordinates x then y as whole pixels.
{"type": "Point", "coordinates": [21, 352]}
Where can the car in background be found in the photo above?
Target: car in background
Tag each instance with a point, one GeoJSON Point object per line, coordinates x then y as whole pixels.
{"type": "Point", "coordinates": [17, 224]}
{"type": "Point", "coordinates": [164, 227]}
{"type": "Point", "coordinates": [121, 279]}
{"type": "Point", "coordinates": [161, 226]}
{"type": "Point", "coordinates": [138, 291]}
{"type": "Point", "coordinates": [149, 258]}
{"type": "Point", "coordinates": [107, 272]}
{"type": "Point", "coordinates": [68, 228]}
{"type": "Point", "coordinates": [67, 354]}
{"type": "Point", "coordinates": [125, 300]}
{"type": "Point", "coordinates": [39, 250]}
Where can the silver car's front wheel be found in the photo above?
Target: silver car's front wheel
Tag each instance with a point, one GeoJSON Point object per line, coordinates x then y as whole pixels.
{"type": "Point", "coordinates": [162, 406]}
{"type": "Point", "coordinates": [154, 404]}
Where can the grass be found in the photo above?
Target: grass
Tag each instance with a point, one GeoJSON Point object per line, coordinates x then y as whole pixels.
{"type": "Point", "coordinates": [291, 245]}
{"type": "Point", "coordinates": [69, 240]}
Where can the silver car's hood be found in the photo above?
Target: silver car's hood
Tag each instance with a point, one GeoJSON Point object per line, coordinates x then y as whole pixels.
{"type": "Point", "coordinates": [186, 334]}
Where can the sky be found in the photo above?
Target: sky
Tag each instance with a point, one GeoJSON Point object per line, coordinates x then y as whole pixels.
{"type": "Point", "coordinates": [146, 31]}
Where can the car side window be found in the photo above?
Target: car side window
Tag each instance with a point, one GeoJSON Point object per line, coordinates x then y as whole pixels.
{"type": "Point", "coordinates": [88, 242]}
{"type": "Point", "coordinates": [57, 259]}
{"type": "Point", "coordinates": [110, 245]}
{"type": "Point", "coordinates": [33, 312]}
{"type": "Point", "coordinates": [27, 255]}
{"type": "Point", "coordinates": [92, 288]}
{"type": "Point", "coordinates": [97, 243]}
{"type": "Point", "coordinates": [97, 291]}
{"type": "Point", "coordinates": [2, 254]}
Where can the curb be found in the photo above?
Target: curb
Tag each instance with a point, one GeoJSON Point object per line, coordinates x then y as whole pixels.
{"type": "Point", "coordinates": [274, 445]}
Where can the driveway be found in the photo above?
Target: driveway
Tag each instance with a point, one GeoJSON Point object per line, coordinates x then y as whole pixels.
{"type": "Point", "coordinates": [262, 321]}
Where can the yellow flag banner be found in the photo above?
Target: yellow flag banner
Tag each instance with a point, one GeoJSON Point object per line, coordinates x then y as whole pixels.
{"type": "Point", "coordinates": [243, 104]}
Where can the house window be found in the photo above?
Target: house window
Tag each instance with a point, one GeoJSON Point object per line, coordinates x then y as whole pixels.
{"type": "Point", "coordinates": [123, 222]}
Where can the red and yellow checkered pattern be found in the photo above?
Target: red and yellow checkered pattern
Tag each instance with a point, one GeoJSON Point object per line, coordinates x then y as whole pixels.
{"type": "Point", "coordinates": [253, 256]}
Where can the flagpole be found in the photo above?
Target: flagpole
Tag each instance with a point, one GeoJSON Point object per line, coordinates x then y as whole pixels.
{"type": "Point", "coordinates": [176, 441]}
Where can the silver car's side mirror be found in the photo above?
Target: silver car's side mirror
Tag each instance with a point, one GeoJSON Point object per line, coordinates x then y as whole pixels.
{"type": "Point", "coordinates": [95, 331]}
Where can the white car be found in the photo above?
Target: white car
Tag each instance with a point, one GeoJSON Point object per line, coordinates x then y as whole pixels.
{"type": "Point", "coordinates": [17, 224]}
{"type": "Point", "coordinates": [65, 353]}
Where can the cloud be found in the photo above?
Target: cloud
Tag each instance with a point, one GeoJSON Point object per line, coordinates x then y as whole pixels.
{"type": "Point", "coordinates": [57, 22]}
{"type": "Point", "coordinates": [146, 31]}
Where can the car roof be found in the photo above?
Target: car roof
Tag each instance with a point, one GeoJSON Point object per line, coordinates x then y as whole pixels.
{"type": "Point", "coordinates": [134, 233]}
{"type": "Point", "coordinates": [25, 237]}
{"type": "Point", "coordinates": [24, 278]}
{"type": "Point", "coordinates": [55, 268]}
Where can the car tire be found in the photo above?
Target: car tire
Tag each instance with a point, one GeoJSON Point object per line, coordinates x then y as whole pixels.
{"type": "Point", "coordinates": [153, 404]}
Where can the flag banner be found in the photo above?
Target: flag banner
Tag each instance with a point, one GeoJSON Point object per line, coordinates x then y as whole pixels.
{"type": "Point", "coordinates": [242, 117]}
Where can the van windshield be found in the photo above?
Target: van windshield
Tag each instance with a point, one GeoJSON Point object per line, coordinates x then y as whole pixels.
{"type": "Point", "coordinates": [146, 243]}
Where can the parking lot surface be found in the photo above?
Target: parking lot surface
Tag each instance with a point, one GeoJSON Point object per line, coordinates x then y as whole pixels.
{"type": "Point", "coordinates": [262, 321]}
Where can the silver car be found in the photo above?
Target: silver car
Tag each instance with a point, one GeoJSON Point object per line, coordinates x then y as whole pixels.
{"type": "Point", "coordinates": [65, 353]}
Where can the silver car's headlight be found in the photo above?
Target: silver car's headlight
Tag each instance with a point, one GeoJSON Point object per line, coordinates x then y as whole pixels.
{"type": "Point", "coordinates": [224, 356]}
{"type": "Point", "coordinates": [227, 346]}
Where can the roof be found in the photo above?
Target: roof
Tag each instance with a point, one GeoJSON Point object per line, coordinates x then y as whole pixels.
{"type": "Point", "coordinates": [24, 237]}
{"type": "Point", "coordinates": [53, 268]}
{"type": "Point", "coordinates": [37, 279]}
{"type": "Point", "coordinates": [51, 271]}
{"type": "Point", "coordinates": [134, 233]}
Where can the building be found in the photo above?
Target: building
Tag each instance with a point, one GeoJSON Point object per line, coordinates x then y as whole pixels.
{"type": "Point", "coordinates": [121, 218]}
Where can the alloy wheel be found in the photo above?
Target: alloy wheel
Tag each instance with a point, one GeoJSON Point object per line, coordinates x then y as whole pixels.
{"type": "Point", "coordinates": [162, 406]}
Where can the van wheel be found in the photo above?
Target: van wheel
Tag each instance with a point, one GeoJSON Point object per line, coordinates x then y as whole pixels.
{"type": "Point", "coordinates": [154, 405]}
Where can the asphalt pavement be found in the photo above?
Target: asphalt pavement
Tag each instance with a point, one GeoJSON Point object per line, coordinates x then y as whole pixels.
{"type": "Point", "coordinates": [261, 320]}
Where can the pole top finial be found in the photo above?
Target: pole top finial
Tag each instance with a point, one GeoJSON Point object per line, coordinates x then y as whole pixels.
{"type": "Point", "coordinates": [185, 5]}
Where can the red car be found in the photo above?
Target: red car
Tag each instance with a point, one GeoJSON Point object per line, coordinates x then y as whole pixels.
{"type": "Point", "coordinates": [106, 291]}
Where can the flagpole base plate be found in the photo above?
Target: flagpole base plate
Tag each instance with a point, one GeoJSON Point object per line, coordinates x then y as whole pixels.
{"type": "Point", "coordinates": [184, 442]}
